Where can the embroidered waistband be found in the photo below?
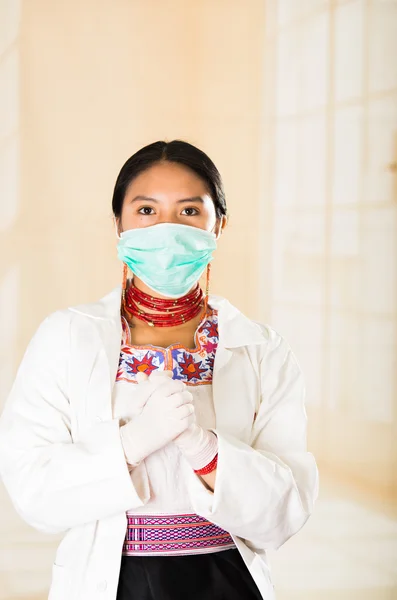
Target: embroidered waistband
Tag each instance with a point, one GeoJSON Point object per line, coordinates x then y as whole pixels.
{"type": "Point", "coordinates": [173, 534]}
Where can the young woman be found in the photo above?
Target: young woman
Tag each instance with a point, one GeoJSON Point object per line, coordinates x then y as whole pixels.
{"type": "Point", "coordinates": [161, 429]}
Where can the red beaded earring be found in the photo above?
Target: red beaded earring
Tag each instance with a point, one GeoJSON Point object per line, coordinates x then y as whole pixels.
{"type": "Point", "coordinates": [124, 286]}
{"type": "Point", "coordinates": [207, 289]}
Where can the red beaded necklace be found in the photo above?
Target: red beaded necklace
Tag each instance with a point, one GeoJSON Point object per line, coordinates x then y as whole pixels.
{"type": "Point", "coordinates": [171, 312]}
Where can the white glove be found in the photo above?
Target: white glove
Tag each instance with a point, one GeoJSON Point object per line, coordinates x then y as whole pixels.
{"type": "Point", "coordinates": [167, 413]}
{"type": "Point", "coordinates": [198, 446]}
{"type": "Point", "coordinates": [132, 398]}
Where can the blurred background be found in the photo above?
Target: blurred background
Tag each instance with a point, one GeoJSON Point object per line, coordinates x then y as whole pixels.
{"type": "Point", "coordinates": [296, 103]}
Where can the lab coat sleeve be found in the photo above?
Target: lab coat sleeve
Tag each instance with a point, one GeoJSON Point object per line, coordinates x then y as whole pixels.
{"type": "Point", "coordinates": [54, 483]}
{"type": "Point", "coordinates": [265, 491]}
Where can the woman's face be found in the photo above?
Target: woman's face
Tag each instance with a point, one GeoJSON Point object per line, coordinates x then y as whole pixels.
{"type": "Point", "coordinates": [168, 193]}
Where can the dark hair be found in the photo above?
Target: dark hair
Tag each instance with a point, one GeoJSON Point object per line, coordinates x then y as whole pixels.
{"type": "Point", "coordinates": [176, 151]}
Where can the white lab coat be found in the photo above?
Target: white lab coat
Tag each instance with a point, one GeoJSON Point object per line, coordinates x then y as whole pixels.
{"type": "Point", "coordinates": [62, 461]}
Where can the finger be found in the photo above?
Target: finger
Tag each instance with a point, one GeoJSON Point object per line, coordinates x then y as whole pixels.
{"type": "Point", "coordinates": [184, 426]}
{"type": "Point", "coordinates": [162, 388]}
{"type": "Point", "coordinates": [157, 373]}
{"type": "Point", "coordinates": [186, 397]}
{"type": "Point", "coordinates": [156, 380]}
{"type": "Point", "coordinates": [186, 411]}
{"type": "Point", "coordinates": [190, 420]}
{"type": "Point", "coordinates": [141, 377]}
{"type": "Point", "coordinates": [180, 398]}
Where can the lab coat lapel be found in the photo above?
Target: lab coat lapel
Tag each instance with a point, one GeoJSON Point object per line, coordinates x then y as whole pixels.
{"type": "Point", "coordinates": [110, 332]}
{"type": "Point", "coordinates": [105, 316]}
{"type": "Point", "coordinates": [233, 386]}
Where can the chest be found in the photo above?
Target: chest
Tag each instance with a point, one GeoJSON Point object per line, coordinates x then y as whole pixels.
{"type": "Point", "coordinates": [194, 366]}
{"type": "Point", "coordinates": [94, 362]}
{"type": "Point", "coordinates": [142, 337]}
{"type": "Point", "coordinates": [140, 334]}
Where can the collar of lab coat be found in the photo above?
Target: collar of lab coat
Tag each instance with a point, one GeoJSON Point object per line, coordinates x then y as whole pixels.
{"type": "Point", "coordinates": [235, 329]}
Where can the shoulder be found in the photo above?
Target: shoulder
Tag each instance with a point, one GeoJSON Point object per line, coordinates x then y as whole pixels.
{"type": "Point", "coordinates": [277, 349]}
{"type": "Point", "coordinates": [50, 335]}
{"type": "Point", "coordinates": [80, 315]}
{"type": "Point", "coordinates": [54, 323]}
{"type": "Point", "coordinates": [238, 330]}
{"type": "Point", "coordinates": [272, 337]}
{"type": "Point", "coordinates": [54, 331]}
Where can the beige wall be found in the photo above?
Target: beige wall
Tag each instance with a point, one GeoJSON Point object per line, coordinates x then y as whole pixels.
{"type": "Point", "coordinates": [331, 131]}
{"type": "Point", "coordinates": [93, 82]}
{"type": "Point", "coordinates": [97, 83]}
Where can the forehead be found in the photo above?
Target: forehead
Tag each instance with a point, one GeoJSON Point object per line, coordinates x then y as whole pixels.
{"type": "Point", "coordinates": [168, 178]}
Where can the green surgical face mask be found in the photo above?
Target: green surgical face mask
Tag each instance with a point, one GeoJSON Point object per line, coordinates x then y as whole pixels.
{"type": "Point", "coordinates": [168, 257]}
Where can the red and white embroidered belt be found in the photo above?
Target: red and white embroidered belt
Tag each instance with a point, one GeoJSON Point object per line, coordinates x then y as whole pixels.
{"type": "Point", "coordinates": [173, 534]}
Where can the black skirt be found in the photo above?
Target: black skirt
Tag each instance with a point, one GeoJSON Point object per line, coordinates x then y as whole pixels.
{"type": "Point", "coordinates": [213, 576]}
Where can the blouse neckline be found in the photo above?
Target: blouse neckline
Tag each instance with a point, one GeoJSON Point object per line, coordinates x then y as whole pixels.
{"type": "Point", "coordinates": [126, 339]}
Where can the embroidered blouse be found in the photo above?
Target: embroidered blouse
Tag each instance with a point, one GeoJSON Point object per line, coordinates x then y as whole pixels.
{"type": "Point", "coordinates": [166, 524]}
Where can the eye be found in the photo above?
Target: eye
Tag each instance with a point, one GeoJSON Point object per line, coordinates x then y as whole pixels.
{"type": "Point", "coordinates": [191, 208]}
{"type": "Point", "coordinates": [145, 208]}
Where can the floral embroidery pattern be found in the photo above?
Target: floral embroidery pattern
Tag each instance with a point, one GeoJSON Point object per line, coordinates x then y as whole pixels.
{"type": "Point", "coordinates": [141, 366]}
{"type": "Point", "coordinates": [189, 368]}
{"type": "Point", "coordinates": [193, 367]}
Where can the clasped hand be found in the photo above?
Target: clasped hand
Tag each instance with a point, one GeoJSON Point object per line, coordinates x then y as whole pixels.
{"type": "Point", "coordinates": [166, 414]}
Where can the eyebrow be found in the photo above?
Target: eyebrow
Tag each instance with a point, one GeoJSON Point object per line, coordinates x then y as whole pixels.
{"type": "Point", "coordinates": [193, 199]}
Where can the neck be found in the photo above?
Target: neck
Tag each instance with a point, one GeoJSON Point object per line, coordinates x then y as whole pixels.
{"type": "Point", "coordinates": [136, 306]}
{"type": "Point", "coordinates": [147, 290]}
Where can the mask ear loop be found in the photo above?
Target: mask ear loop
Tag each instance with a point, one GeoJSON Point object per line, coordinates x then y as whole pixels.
{"type": "Point", "coordinates": [207, 285]}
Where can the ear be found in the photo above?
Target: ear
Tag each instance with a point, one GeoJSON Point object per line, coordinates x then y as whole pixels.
{"type": "Point", "coordinates": [220, 226]}
{"type": "Point", "coordinates": [116, 221]}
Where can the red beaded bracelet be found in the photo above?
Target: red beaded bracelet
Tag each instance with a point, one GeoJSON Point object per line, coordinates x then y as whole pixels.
{"type": "Point", "coordinates": [208, 468]}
